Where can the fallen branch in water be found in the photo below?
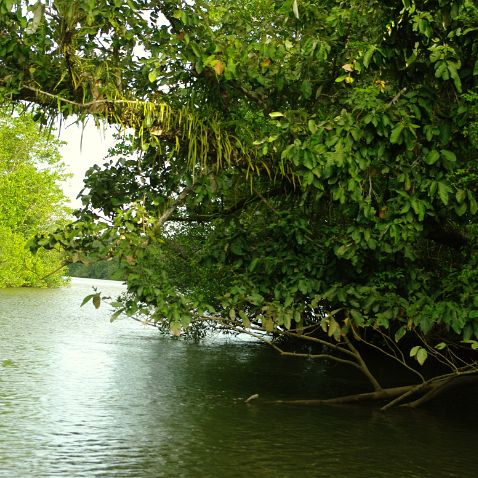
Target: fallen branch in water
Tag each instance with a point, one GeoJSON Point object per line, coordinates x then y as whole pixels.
{"type": "Point", "coordinates": [419, 393]}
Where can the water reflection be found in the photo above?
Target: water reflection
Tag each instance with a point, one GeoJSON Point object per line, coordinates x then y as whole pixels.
{"type": "Point", "coordinates": [82, 397]}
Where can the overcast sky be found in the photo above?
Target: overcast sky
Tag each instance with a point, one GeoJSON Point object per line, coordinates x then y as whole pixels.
{"type": "Point", "coordinates": [79, 155]}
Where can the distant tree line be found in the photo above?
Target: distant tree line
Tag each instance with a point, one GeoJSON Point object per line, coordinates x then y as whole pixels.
{"type": "Point", "coordinates": [97, 270]}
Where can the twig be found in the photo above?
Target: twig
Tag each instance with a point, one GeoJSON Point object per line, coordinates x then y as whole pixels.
{"type": "Point", "coordinates": [396, 97]}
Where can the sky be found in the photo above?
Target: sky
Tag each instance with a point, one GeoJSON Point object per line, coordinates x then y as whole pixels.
{"type": "Point", "coordinates": [79, 155]}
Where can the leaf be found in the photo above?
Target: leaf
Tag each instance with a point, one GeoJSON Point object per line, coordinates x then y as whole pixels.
{"type": "Point", "coordinates": [267, 324]}
{"type": "Point", "coordinates": [396, 133]}
{"type": "Point", "coordinates": [473, 204]}
{"type": "Point", "coordinates": [421, 356]}
{"type": "Point", "coordinates": [414, 351]}
{"type": "Point", "coordinates": [400, 333]}
{"type": "Point", "coordinates": [443, 190]}
{"type": "Point", "coordinates": [87, 299]}
{"type": "Point", "coordinates": [219, 67]}
{"type": "Point", "coordinates": [175, 329]}
{"type": "Point", "coordinates": [253, 264]}
{"type": "Point", "coordinates": [306, 89]}
{"type": "Point", "coordinates": [441, 346]}
{"type": "Point", "coordinates": [276, 114]}
{"type": "Point", "coordinates": [152, 75]}
{"type": "Point", "coordinates": [97, 300]}
{"type": "Point", "coordinates": [333, 327]}
{"type": "Point", "coordinates": [368, 55]}
{"type": "Point", "coordinates": [432, 157]}
{"type": "Point", "coordinates": [448, 155]}
{"type": "Point", "coordinates": [116, 315]}
{"type": "Point", "coordinates": [312, 126]}
{"type": "Point", "coordinates": [452, 68]}
{"type": "Point", "coordinates": [460, 196]}
{"type": "Point", "coordinates": [461, 209]}
{"type": "Point", "coordinates": [295, 9]}
{"type": "Point", "coordinates": [37, 18]}
{"type": "Point", "coordinates": [245, 320]}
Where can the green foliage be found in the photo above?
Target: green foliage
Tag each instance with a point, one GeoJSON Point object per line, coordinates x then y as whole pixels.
{"type": "Point", "coordinates": [30, 202]}
{"type": "Point", "coordinates": [96, 270]}
{"type": "Point", "coordinates": [296, 168]}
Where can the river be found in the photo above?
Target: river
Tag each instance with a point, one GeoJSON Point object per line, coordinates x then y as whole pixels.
{"type": "Point", "coordinates": [83, 397]}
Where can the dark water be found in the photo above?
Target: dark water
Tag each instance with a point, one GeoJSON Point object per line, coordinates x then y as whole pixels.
{"type": "Point", "coordinates": [80, 397]}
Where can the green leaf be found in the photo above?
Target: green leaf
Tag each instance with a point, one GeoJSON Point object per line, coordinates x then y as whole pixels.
{"type": "Point", "coordinates": [443, 190]}
{"type": "Point", "coordinates": [432, 157]}
{"type": "Point", "coordinates": [461, 209]}
{"type": "Point", "coordinates": [441, 346]}
{"type": "Point", "coordinates": [87, 299]}
{"type": "Point", "coordinates": [97, 301]}
{"type": "Point", "coordinates": [460, 196]}
{"type": "Point", "coordinates": [452, 68]}
{"type": "Point", "coordinates": [341, 78]}
{"type": "Point", "coordinates": [295, 9]}
{"type": "Point", "coordinates": [267, 324]}
{"type": "Point", "coordinates": [396, 133]}
{"type": "Point", "coordinates": [175, 329]}
{"type": "Point", "coordinates": [276, 114]}
{"type": "Point", "coordinates": [245, 320]}
{"type": "Point", "coordinates": [312, 126]}
{"type": "Point", "coordinates": [368, 55]}
{"type": "Point", "coordinates": [116, 315]}
{"type": "Point", "coordinates": [414, 350]}
{"type": "Point", "coordinates": [473, 203]}
{"type": "Point", "coordinates": [400, 333]}
{"type": "Point", "coordinates": [448, 155]}
{"type": "Point", "coordinates": [333, 327]}
{"type": "Point", "coordinates": [152, 75]}
{"type": "Point", "coordinates": [421, 356]}
{"type": "Point", "coordinates": [306, 89]}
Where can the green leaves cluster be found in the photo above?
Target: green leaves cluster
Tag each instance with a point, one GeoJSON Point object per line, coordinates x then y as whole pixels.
{"type": "Point", "coordinates": [31, 201]}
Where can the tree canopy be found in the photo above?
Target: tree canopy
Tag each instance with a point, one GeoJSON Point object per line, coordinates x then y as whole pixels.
{"type": "Point", "coordinates": [304, 169]}
{"type": "Point", "coordinates": [31, 201]}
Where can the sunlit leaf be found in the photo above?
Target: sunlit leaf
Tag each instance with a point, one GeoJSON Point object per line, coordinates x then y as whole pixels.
{"type": "Point", "coordinates": [295, 9]}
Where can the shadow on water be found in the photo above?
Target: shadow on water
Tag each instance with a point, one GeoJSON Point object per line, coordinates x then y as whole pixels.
{"type": "Point", "coordinates": [82, 397]}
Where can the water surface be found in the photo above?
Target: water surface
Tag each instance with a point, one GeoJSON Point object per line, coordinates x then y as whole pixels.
{"type": "Point", "coordinates": [80, 397]}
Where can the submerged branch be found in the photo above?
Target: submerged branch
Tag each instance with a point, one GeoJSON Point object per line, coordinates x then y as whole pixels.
{"type": "Point", "coordinates": [358, 397]}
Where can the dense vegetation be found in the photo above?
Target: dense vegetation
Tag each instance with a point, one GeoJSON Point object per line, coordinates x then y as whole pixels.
{"type": "Point", "coordinates": [31, 202]}
{"type": "Point", "coordinates": [304, 169]}
{"type": "Point", "coordinates": [96, 269]}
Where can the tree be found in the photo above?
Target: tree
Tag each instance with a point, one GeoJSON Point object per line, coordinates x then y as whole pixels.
{"type": "Point", "coordinates": [31, 202]}
{"type": "Point", "coordinates": [305, 171]}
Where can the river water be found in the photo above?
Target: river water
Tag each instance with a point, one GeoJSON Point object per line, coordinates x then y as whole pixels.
{"type": "Point", "coordinates": [81, 397]}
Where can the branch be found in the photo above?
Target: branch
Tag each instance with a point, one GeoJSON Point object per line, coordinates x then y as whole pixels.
{"type": "Point", "coordinates": [170, 210]}
{"type": "Point", "coordinates": [319, 341]}
{"type": "Point", "coordinates": [358, 397]}
{"type": "Point", "coordinates": [363, 366]}
{"type": "Point", "coordinates": [439, 389]}
{"type": "Point", "coordinates": [396, 97]}
{"type": "Point", "coordinates": [392, 356]}
{"type": "Point", "coordinates": [431, 384]}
